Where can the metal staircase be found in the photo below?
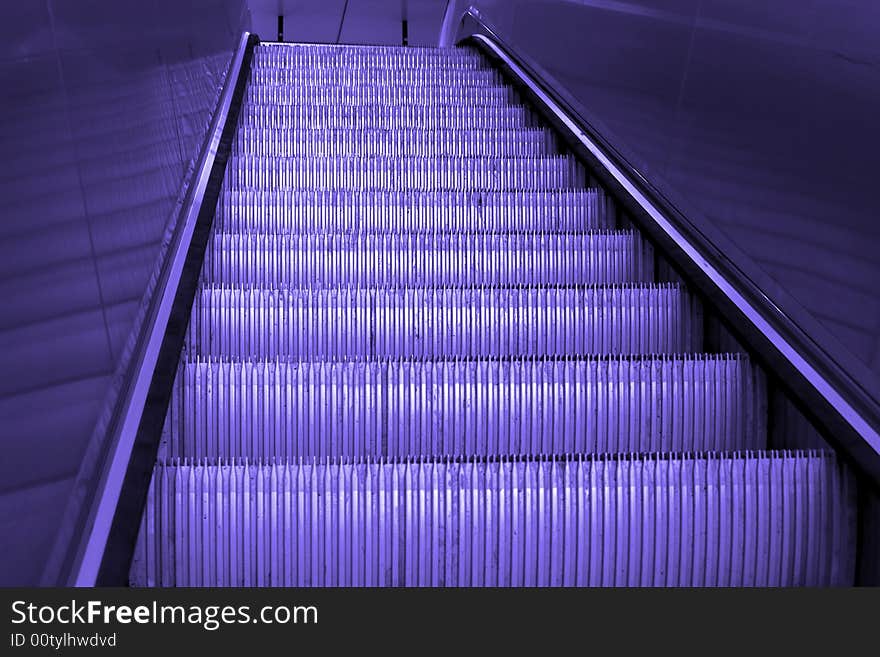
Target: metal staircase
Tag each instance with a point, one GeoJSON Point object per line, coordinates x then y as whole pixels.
{"type": "Point", "coordinates": [423, 352]}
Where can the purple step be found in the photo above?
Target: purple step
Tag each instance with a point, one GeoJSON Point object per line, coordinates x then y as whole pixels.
{"type": "Point", "coordinates": [372, 94]}
{"type": "Point", "coordinates": [329, 56]}
{"type": "Point", "coordinates": [414, 408]}
{"type": "Point", "coordinates": [443, 322]}
{"type": "Point", "coordinates": [426, 259]}
{"type": "Point", "coordinates": [389, 117]}
{"type": "Point", "coordinates": [404, 173]}
{"type": "Point", "coordinates": [473, 211]}
{"type": "Point", "coordinates": [397, 76]}
{"type": "Point", "coordinates": [285, 142]}
{"type": "Point", "coordinates": [757, 519]}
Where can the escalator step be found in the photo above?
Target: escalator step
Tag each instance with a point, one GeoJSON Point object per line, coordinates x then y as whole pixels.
{"type": "Point", "coordinates": [404, 173]}
{"type": "Point", "coordinates": [394, 143]}
{"type": "Point", "coordinates": [452, 77]}
{"type": "Point", "coordinates": [775, 519]}
{"type": "Point", "coordinates": [440, 117]}
{"type": "Point", "coordinates": [411, 259]}
{"type": "Point", "coordinates": [312, 57]}
{"type": "Point", "coordinates": [444, 322]}
{"type": "Point", "coordinates": [370, 94]}
{"type": "Point", "coordinates": [406, 408]}
{"type": "Point", "coordinates": [342, 211]}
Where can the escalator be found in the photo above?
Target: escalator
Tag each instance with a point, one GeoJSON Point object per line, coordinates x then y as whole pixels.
{"type": "Point", "coordinates": [425, 350]}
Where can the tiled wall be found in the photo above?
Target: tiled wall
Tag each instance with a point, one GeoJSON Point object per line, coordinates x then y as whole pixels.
{"type": "Point", "coordinates": [105, 107]}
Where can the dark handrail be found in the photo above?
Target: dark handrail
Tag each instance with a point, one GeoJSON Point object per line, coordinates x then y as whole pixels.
{"type": "Point", "coordinates": [81, 552]}
{"type": "Point", "coordinates": [845, 408]}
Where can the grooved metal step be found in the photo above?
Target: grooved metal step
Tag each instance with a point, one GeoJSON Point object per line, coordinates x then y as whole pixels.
{"type": "Point", "coordinates": [395, 143]}
{"type": "Point", "coordinates": [404, 173]}
{"type": "Point", "coordinates": [389, 117]}
{"type": "Point", "coordinates": [454, 77]}
{"type": "Point", "coordinates": [346, 211]}
{"type": "Point", "coordinates": [768, 519]}
{"type": "Point", "coordinates": [377, 56]}
{"type": "Point", "coordinates": [364, 94]}
{"type": "Point", "coordinates": [443, 322]}
{"type": "Point", "coordinates": [287, 409]}
{"type": "Point", "coordinates": [414, 259]}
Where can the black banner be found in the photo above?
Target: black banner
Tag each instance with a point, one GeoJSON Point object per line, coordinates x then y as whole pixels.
{"type": "Point", "coordinates": [146, 621]}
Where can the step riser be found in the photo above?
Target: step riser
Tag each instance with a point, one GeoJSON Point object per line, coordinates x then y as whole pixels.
{"type": "Point", "coordinates": [444, 322]}
{"type": "Point", "coordinates": [403, 173]}
{"type": "Point", "coordinates": [275, 57]}
{"type": "Point", "coordinates": [412, 409]}
{"type": "Point", "coordinates": [641, 521]}
{"type": "Point", "coordinates": [379, 94]}
{"type": "Point", "coordinates": [265, 59]}
{"type": "Point", "coordinates": [348, 77]}
{"type": "Point", "coordinates": [441, 117]}
{"type": "Point", "coordinates": [385, 143]}
{"type": "Point", "coordinates": [426, 260]}
{"type": "Point", "coordinates": [328, 211]}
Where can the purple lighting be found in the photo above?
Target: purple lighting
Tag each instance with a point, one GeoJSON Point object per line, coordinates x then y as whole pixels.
{"type": "Point", "coordinates": [439, 292]}
{"type": "Point", "coordinates": [571, 521]}
{"type": "Point", "coordinates": [426, 351]}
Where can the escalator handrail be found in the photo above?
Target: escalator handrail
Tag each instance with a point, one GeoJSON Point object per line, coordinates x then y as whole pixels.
{"type": "Point", "coordinates": [851, 400]}
{"type": "Point", "coordinates": [86, 551]}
